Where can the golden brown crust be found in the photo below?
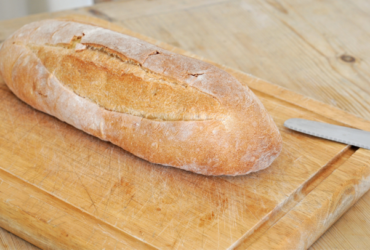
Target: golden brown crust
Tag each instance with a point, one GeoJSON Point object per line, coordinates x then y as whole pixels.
{"type": "Point", "coordinates": [164, 107]}
{"type": "Point", "coordinates": [125, 87]}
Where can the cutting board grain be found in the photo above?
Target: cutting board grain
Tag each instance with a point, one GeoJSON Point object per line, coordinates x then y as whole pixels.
{"type": "Point", "coordinates": [61, 188]}
{"type": "Point", "coordinates": [10, 241]}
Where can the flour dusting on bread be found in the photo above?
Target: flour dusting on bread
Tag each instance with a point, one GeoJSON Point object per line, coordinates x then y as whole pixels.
{"type": "Point", "coordinates": [164, 107]}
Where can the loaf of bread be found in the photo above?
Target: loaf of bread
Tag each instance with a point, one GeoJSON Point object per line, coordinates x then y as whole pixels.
{"type": "Point", "coordinates": [163, 107]}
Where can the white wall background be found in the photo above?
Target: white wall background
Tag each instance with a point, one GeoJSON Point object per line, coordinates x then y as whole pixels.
{"type": "Point", "coordinates": [17, 8]}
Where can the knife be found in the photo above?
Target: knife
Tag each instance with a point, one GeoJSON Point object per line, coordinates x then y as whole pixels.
{"type": "Point", "coordinates": [350, 136]}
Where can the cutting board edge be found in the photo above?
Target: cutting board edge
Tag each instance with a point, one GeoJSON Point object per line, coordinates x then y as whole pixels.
{"type": "Point", "coordinates": [307, 187]}
{"type": "Point", "coordinates": [314, 222]}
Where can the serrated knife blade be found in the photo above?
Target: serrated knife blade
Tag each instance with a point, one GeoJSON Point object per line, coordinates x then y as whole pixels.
{"type": "Point", "coordinates": [350, 136]}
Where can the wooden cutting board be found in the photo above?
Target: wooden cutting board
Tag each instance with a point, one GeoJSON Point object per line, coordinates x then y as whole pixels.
{"type": "Point", "coordinates": [61, 188]}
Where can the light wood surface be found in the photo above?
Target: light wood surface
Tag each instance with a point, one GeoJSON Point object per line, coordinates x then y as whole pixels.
{"type": "Point", "coordinates": [62, 188]}
{"type": "Point", "coordinates": [298, 46]}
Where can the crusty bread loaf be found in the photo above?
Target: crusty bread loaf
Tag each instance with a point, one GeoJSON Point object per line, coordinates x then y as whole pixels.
{"type": "Point", "coordinates": [161, 106]}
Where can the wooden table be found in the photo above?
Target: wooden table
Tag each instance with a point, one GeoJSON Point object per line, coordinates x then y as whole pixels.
{"type": "Point", "coordinates": [316, 48]}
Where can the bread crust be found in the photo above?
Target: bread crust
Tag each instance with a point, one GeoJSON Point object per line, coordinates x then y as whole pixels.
{"type": "Point", "coordinates": [237, 138]}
